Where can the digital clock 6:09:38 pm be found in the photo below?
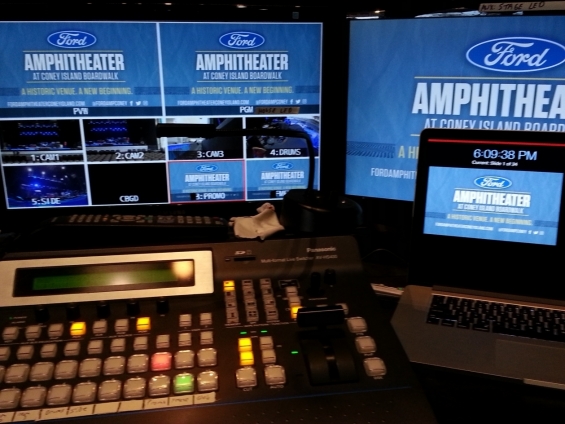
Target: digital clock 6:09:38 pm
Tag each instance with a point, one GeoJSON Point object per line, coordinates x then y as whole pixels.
{"type": "Point", "coordinates": [505, 154]}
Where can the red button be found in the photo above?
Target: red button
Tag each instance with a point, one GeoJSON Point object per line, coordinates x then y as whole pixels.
{"type": "Point", "coordinates": [161, 361]}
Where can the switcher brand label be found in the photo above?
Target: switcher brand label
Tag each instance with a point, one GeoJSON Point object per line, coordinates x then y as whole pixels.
{"type": "Point", "coordinates": [321, 249]}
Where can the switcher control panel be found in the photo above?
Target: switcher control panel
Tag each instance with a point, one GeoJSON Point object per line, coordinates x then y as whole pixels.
{"type": "Point", "coordinates": [198, 334]}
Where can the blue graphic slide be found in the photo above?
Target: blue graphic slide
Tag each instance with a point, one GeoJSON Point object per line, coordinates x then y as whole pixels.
{"type": "Point", "coordinates": [268, 179]}
{"type": "Point", "coordinates": [514, 206]}
{"type": "Point", "coordinates": [479, 72]}
{"type": "Point", "coordinates": [212, 66]}
{"type": "Point", "coordinates": [64, 69]}
{"type": "Point", "coordinates": [206, 181]}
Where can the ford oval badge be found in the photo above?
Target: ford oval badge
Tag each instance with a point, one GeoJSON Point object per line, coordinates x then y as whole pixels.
{"type": "Point", "coordinates": [71, 39]}
{"type": "Point", "coordinates": [206, 168]}
{"type": "Point", "coordinates": [282, 165]}
{"type": "Point", "coordinates": [493, 183]}
{"type": "Point", "coordinates": [516, 54]}
{"type": "Point", "coordinates": [242, 40]}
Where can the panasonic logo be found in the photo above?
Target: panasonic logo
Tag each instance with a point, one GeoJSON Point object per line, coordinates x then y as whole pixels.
{"type": "Point", "coordinates": [282, 165]}
{"type": "Point", "coordinates": [206, 168]}
{"type": "Point", "coordinates": [71, 39]}
{"type": "Point", "coordinates": [516, 54]}
{"type": "Point", "coordinates": [321, 249]}
{"type": "Point", "coordinates": [494, 183]}
{"type": "Point", "coordinates": [242, 40]}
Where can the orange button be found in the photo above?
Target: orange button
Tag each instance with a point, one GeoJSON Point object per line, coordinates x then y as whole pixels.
{"type": "Point", "coordinates": [244, 344]}
{"type": "Point", "coordinates": [246, 358]}
{"type": "Point", "coordinates": [78, 328]}
{"type": "Point", "coordinates": [294, 311]}
{"type": "Point", "coordinates": [143, 324]}
{"type": "Point", "coordinates": [229, 285]}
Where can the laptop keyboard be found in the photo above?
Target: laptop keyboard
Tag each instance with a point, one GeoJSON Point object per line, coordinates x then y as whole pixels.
{"type": "Point", "coordinates": [496, 317]}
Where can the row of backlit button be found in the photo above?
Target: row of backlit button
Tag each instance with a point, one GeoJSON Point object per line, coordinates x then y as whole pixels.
{"type": "Point", "coordinates": [230, 299]}
{"type": "Point", "coordinates": [48, 350]}
{"type": "Point", "coordinates": [250, 301]}
{"type": "Point", "coordinates": [374, 367]}
{"type": "Point", "coordinates": [247, 376]}
{"type": "Point", "coordinates": [246, 358]}
{"type": "Point", "coordinates": [270, 306]}
{"type": "Point", "coordinates": [363, 344]}
{"type": "Point", "coordinates": [95, 347]}
{"type": "Point", "coordinates": [109, 390]}
{"type": "Point", "coordinates": [100, 327]}
{"type": "Point", "coordinates": [294, 303]}
{"type": "Point", "coordinates": [113, 365]}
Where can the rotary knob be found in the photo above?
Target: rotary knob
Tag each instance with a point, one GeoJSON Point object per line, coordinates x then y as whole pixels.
{"type": "Point", "coordinates": [41, 314]}
{"type": "Point", "coordinates": [73, 312]}
{"type": "Point", "coordinates": [315, 289]}
{"type": "Point", "coordinates": [133, 308]}
{"type": "Point", "coordinates": [103, 310]}
{"type": "Point", "coordinates": [162, 306]}
{"type": "Point", "coordinates": [330, 277]}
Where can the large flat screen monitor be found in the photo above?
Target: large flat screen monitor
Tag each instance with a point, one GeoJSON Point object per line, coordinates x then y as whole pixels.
{"type": "Point", "coordinates": [80, 101]}
{"type": "Point", "coordinates": [481, 72]}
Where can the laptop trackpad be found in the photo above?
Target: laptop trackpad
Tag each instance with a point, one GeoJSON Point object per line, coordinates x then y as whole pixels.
{"type": "Point", "coordinates": [530, 361]}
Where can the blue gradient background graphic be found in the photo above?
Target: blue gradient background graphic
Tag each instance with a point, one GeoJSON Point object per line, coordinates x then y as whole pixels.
{"type": "Point", "coordinates": [136, 41]}
{"type": "Point", "coordinates": [388, 58]}
{"type": "Point", "coordinates": [544, 188]}
{"type": "Point", "coordinates": [178, 170]}
{"type": "Point", "coordinates": [180, 44]}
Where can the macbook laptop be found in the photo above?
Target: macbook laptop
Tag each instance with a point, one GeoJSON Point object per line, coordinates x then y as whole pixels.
{"type": "Point", "coordinates": [486, 290]}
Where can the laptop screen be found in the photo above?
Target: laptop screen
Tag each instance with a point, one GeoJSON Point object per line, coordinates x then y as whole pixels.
{"type": "Point", "coordinates": [488, 209]}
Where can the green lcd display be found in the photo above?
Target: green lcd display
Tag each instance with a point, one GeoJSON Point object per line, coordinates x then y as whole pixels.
{"type": "Point", "coordinates": [103, 277]}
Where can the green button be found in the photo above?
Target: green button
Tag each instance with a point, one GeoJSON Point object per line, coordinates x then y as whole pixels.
{"type": "Point", "coordinates": [184, 383]}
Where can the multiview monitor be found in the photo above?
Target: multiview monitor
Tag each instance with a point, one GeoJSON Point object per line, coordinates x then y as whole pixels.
{"type": "Point", "coordinates": [80, 103]}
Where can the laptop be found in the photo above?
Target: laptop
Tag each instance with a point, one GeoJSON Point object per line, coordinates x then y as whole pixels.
{"type": "Point", "coordinates": [486, 289]}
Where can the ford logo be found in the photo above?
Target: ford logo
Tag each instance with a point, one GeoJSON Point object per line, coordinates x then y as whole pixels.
{"type": "Point", "coordinates": [242, 40]}
{"type": "Point", "coordinates": [516, 54]}
{"type": "Point", "coordinates": [494, 183]}
{"type": "Point", "coordinates": [282, 165]}
{"type": "Point", "coordinates": [206, 168]}
{"type": "Point", "coordinates": [71, 39]}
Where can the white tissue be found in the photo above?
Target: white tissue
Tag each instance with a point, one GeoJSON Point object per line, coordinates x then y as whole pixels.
{"type": "Point", "coordinates": [262, 225]}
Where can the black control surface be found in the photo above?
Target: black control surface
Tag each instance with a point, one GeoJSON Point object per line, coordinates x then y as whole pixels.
{"type": "Point", "coordinates": [237, 355]}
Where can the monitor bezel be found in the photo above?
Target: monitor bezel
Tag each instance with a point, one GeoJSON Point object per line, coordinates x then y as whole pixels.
{"type": "Point", "coordinates": [459, 262]}
{"type": "Point", "coordinates": [332, 95]}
